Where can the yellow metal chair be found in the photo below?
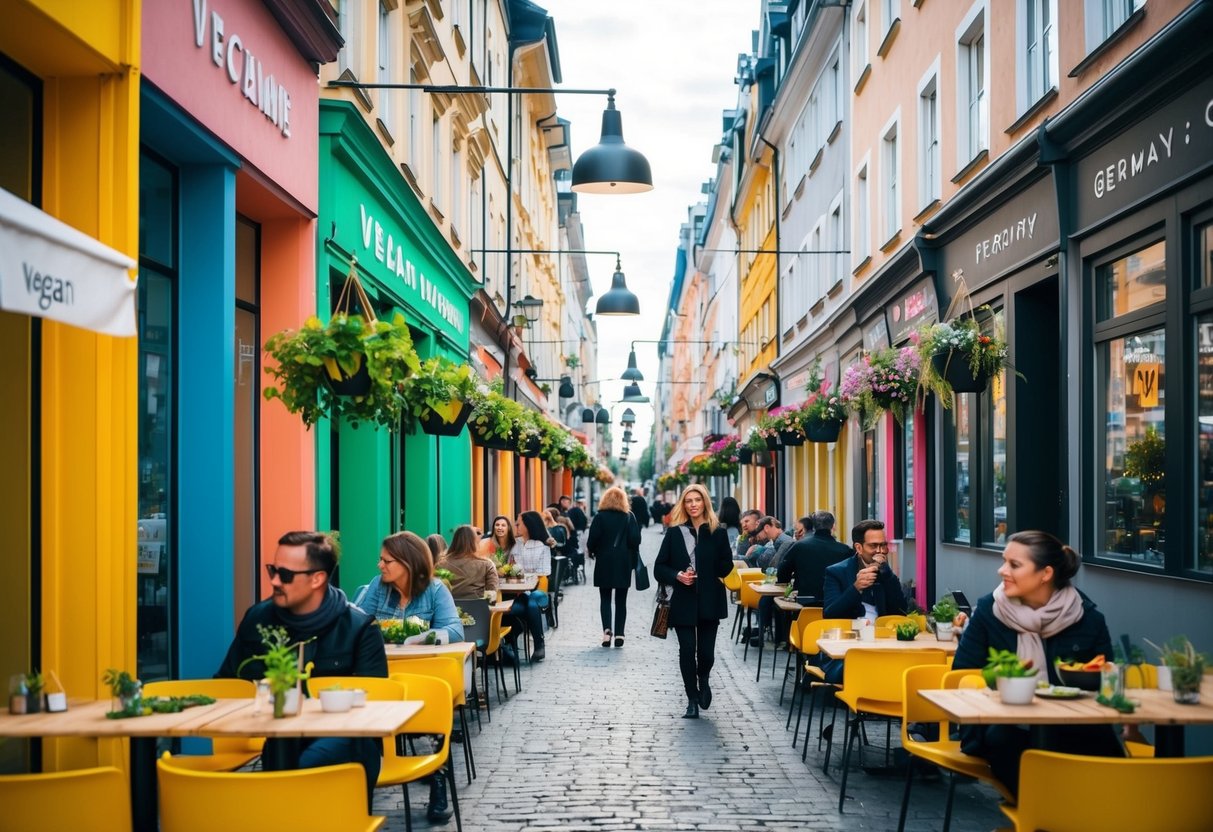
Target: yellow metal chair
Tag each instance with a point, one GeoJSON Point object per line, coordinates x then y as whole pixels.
{"type": "Point", "coordinates": [942, 752]}
{"type": "Point", "coordinates": [436, 718]}
{"type": "Point", "coordinates": [450, 669]}
{"type": "Point", "coordinates": [891, 621]}
{"type": "Point", "coordinates": [732, 584]}
{"type": "Point", "coordinates": [968, 678]}
{"type": "Point", "coordinates": [1076, 793]}
{"type": "Point", "coordinates": [84, 800]}
{"type": "Point", "coordinates": [813, 675]}
{"type": "Point", "coordinates": [492, 656]}
{"type": "Point", "coordinates": [227, 754]}
{"type": "Point", "coordinates": [377, 688]}
{"type": "Point", "coordinates": [872, 687]}
{"type": "Point", "coordinates": [304, 800]}
{"type": "Point", "coordinates": [795, 660]}
{"type": "Point", "coordinates": [748, 601]}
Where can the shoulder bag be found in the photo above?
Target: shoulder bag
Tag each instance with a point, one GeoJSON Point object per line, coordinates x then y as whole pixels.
{"type": "Point", "coordinates": [661, 613]}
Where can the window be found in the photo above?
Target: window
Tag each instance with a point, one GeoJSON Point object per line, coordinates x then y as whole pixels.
{"type": "Point", "coordinates": [1204, 437]}
{"type": "Point", "coordinates": [1133, 282]}
{"type": "Point", "coordinates": [907, 478]}
{"type": "Point", "coordinates": [1038, 52]}
{"type": "Point", "coordinates": [346, 9]}
{"type": "Point", "coordinates": [415, 103]}
{"type": "Point", "coordinates": [861, 40]}
{"type": "Point", "coordinates": [1103, 17]}
{"type": "Point", "coordinates": [436, 161]}
{"type": "Point", "coordinates": [891, 171]}
{"type": "Point", "coordinates": [836, 96]}
{"type": "Point", "coordinates": [816, 269]}
{"type": "Point", "coordinates": [863, 217]}
{"type": "Point", "coordinates": [928, 143]}
{"type": "Point", "coordinates": [973, 106]}
{"type": "Point", "coordinates": [457, 187]}
{"type": "Point", "coordinates": [958, 444]}
{"type": "Point", "coordinates": [870, 476]}
{"type": "Point", "coordinates": [890, 13]}
{"type": "Point", "coordinates": [384, 71]}
{"type": "Point", "coordinates": [994, 458]}
{"type": "Point", "coordinates": [835, 243]}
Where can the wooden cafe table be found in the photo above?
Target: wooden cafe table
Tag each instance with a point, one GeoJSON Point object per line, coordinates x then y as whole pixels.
{"type": "Point", "coordinates": [836, 648]}
{"type": "Point", "coordinates": [527, 584]}
{"type": "Point", "coordinates": [464, 651]}
{"type": "Point", "coordinates": [972, 706]}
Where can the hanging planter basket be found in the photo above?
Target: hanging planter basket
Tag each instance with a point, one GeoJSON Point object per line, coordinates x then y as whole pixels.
{"type": "Point", "coordinates": [791, 438]}
{"type": "Point", "coordinates": [745, 456]}
{"type": "Point", "coordinates": [492, 441]}
{"type": "Point", "coordinates": [531, 449]}
{"type": "Point", "coordinates": [346, 384]}
{"type": "Point", "coordinates": [822, 431]}
{"type": "Point", "coordinates": [772, 443]}
{"type": "Point", "coordinates": [447, 420]}
{"type": "Point", "coordinates": [954, 368]}
{"type": "Point", "coordinates": [764, 459]}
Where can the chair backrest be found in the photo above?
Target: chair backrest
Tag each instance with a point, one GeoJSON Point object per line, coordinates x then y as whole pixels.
{"type": "Point", "coordinates": [1141, 676]}
{"type": "Point", "coordinates": [970, 677]}
{"type": "Point", "coordinates": [439, 711]}
{"type": "Point", "coordinates": [303, 800]}
{"type": "Point", "coordinates": [749, 598]}
{"type": "Point", "coordinates": [448, 668]}
{"type": "Point", "coordinates": [494, 642]}
{"type": "Point", "coordinates": [1168, 793]}
{"type": "Point", "coordinates": [884, 632]}
{"type": "Point", "coordinates": [732, 581]}
{"type": "Point", "coordinates": [86, 799]}
{"type": "Point", "coordinates": [218, 688]}
{"type": "Point", "coordinates": [478, 609]}
{"type": "Point", "coordinates": [377, 688]}
{"type": "Point", "coordinates": [914, 707]}
{"type": "Point", "coordinates": [541, 583]}
{"type": "Point", "coordinates": [891, 621]}
{"type": "Point", "coordinates": [877, 674]}
{"type": "Point", "coordinates": [811, 632]}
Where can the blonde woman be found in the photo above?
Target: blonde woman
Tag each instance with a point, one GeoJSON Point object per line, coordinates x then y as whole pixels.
{"type": "Point", "coordinates": [694, 559]}
{"type": "Point", "coordinates": [614, 544]}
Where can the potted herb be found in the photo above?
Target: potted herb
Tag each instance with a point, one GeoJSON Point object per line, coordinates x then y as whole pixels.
{"type": "Point", "coordinates": [283, 668]}
{"type": "Point", "coordinates": [1186, 666]}
{"type": "Point", "coordinates": [126, 689]}
{"type": "Point", "coordinates": [962, 355]}
{"type": "Point", "coordinates": [824, 415]}
{"type": "Point", "coordinates": [906, 631]}
{"type": "Point", "coordinates": [1014, 680]}
{"type": "Point", "coordinates": [440, 396]}
{"type": "Point", "coordinates": [34, 685]}
{"type": "Point", "coordinates": [943, 614]}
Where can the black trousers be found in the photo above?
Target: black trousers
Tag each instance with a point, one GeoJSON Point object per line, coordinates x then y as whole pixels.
{"type": "Point", "coordinates": [696, 653]}
{"type": "Point", "coordinates": [621, 608]}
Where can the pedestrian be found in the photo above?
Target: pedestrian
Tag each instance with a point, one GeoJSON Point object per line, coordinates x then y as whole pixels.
{"type": "Point", "coordinates": [640, 508]}
{"type": "Point", "coordinates": [581, 525]}
{"type": "Point", "coordinates": [341, 639]}
{"type": "Point", "coordinates": [473, 575]}
{"type": "Point", "coordinates": [500, 540]}
{"type": "Point", "coordinates": [694, 563]}
{"type": "Point", "coordinates": [730, 518]}
{"type": "Point", "coordinates": [614, 545]}
{"type": "Point", "coordinates": [532, 551]}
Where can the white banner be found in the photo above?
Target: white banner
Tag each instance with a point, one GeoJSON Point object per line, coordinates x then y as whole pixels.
{"type": "Point", "coordinates": [51, 270]}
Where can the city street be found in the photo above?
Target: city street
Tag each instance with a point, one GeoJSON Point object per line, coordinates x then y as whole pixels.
{"type": "Point", "coordinates": [595, 742]}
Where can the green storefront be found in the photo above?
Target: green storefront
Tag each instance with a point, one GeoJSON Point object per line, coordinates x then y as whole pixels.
{"type": "Point", "coordinates": [371, 482]}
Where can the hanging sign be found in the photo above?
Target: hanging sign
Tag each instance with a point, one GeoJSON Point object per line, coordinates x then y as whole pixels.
{"type": "Point", "coordinates": [1145, 384]}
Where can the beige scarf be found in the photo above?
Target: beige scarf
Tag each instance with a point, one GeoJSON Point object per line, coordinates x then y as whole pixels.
{"type": "Point", "coordinates": [1034, 625]}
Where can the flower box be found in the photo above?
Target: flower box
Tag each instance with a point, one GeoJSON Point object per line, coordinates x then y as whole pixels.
{"type": "Point", "coordinates": [822, 431]}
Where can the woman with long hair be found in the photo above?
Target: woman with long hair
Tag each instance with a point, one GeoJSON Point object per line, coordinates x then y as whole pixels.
{"type": "Point", "coordinates": [406, 586]}
{"type": "Point", "coordinates": [474, 575]}
{"type": "Point", "coordinates": [437, 544]}
{"type": "Point", "coordinates": [730, 518]}
{"type": "Point", "coordinates": [533, 552]}
{"type": "Point", "coordinates": [695, 559]}
{"type": "Point", "coordinates": [500, 538]}
{"type": "Point", "coordinates": [614, 545]}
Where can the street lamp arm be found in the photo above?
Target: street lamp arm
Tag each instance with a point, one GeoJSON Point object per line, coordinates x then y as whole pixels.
{"type": "Point", "coordinates": [454, 89]}
{"type": "Point", "coordinates": [545, 251]}
{"type": "Point", "coordinates": [777, 251]}
{"type": "Point", "coordinates": [688, 341]}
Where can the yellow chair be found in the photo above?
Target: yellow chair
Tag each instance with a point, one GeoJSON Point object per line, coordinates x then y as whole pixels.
{"type": "Point", "coordinates": [942, 752]}
{"type": "Point", "coordinates": [450, 669]}
{"type": "Point", "coordinates": [436, 717]}
{"type": "Point", "coordinates": [967, 678]}
{"type": "Point", "coordinates": [304, 800]}
{"type": "Point", "coordinates": [891, 621]}
{"type": "Point", "coordinates": [814, 675]}
{"type": "Point", "coordinates": [541, 583]}
{"type": "Point", "coordinates": [872, 687]}
{"type": "Point", "coordinates": [227, 754]}
{"type": "Point", "coordinates": [884, 632]}
{"type": "Point", "coordinates": [1077, 793]}
{"type": "Point", "coordinates": [377, 688]}
{"type": "Point", "coordinates": [732, 584]}
{"type": "Point", "coordinates": [87, 800]}
{"type": "Point", "coordinates": [748, 601]}
{"type": "Point", "coordinates": [795, 653]}
{"type": "Point", "coordinates": [492, 655]}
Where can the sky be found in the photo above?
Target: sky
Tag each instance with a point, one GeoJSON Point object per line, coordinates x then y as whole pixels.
{"type": "Point", "coordinates": [672, 63]}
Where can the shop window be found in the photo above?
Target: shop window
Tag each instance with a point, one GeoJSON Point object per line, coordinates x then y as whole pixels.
{"type": "Point", "coordinates": [1133, 282]}
{"type": "Point", "coordinates": [1204, 440]}
{"type": "Point", "coordinates": [246, 404]}
{"type": "Point", "coordinates": [958, 442]}
{"type": "Point", "coordinates": [870, 483]}
{"type": "Point", "coordinates": [994, 454]}
{"type": "Point", "coordinates": [905, 479]}
{"type": "Point", "coordinates": [1205, 266]}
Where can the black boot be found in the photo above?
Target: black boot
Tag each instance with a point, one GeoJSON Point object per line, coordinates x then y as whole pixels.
{"type": "Point", "coordinates": [538, 653]}
{"type": "Point", "coordinates": [438, 810]}
{"type": "Point", "coordinates": [692, 708]}
{"type": "Point", "coordinates": [705, 693]}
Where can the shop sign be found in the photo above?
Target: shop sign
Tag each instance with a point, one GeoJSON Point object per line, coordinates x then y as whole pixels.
{"type": "Point", "coordinates": [387, 248]}
{"type": "Point", "coordinates": [761, 392]}
{"type": "Point", "coordinates": [243, 69]}
{"type": "Point", "coordinates": [913, 309]}
{"type": "Point", "coordinates": [876, 335]}
{"type": "Point", "coordinates": [1159, 150]}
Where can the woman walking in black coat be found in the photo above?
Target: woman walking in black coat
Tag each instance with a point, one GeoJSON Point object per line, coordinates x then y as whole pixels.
{"type": "Point", "coordinates": [614, 544]}
{"type": "Point", "coordinates": [695, 562]}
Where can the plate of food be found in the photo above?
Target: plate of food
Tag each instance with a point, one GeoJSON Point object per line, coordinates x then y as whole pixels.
{"type": "Point", "coordinates": [1058, 692]}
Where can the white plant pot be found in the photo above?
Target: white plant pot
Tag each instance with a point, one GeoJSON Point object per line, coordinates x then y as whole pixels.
{"type": "Point", "coordinates": [359, 698]}
{"type": "Point", "coordinates": [290, 702]}
{"type": "Point", "coordinates": [1164, 677]}
{"type": "Point", "coordinates": [336, 701]}
{"type": "Point", "coordinates": [1016, 690]}
{"type": "Point", "coordinates": [943, 632]}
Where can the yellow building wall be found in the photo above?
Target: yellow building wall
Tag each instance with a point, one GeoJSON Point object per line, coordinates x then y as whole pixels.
{"type": "Point", "coordinates": [87, 55]}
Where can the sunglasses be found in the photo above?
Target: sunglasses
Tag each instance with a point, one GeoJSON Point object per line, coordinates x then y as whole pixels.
{"type": "Point", "coordinates": [286, 575]}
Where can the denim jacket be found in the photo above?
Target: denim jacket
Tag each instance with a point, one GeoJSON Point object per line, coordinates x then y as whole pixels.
{"type": "Point", "coordinates": [435, 605]}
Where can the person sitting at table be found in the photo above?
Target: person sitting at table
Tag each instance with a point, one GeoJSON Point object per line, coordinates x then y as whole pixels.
{"type": "Point", "coordinates": [437, 546]}
{"type": "Point", "coordinates": [862, 586]}
{"type": "Point", "coordinates": [806, 562]}
{"type": "Point", "coordinates": [406, 587]}
{"type": "Point", "coordinates": [1037, 613]}
{"type": "Point", "coordinates": [532, 551]}
{"type": "Point", "coordinates": [776, 544]}
{"type": "Point", "coordinates": [472, 574]}
{"type": "Point", "coordinates": [342, 640]}
{"type": "Point", "coordinates": [500, 540]}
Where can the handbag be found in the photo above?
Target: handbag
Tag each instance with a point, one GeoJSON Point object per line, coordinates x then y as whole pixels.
{"type": "Point", "coordinates": [661, 613]}
{"type": "Point", "coordinates": [642, 575]}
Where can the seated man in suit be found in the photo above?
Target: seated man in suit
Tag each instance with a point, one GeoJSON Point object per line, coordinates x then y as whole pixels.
{"type": "Point", "coordinates": [863, 586]}
{"type": "Point", "coordinates": [807, 560]}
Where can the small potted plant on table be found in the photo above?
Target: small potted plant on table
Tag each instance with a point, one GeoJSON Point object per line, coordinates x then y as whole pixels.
{"type": "Point", "coordinates": [283, 668]}
{"type": "Point", "coordinates": [906, 631]}
{"type": "Point", "coordinates": [943, 614]}
{"type": "Point", "coordinates": [1187, 668]}
{"type": "Point", "coordinates": [1014, 680]}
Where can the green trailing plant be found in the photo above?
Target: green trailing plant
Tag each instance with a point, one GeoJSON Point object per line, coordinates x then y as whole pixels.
{"type": "Point", "coordinates": [439, 386]}
{"type": "Point", "coordinates": [885, 380]}
{"type": "Point", "coordinates": [979, 343]}
{"type": "Point", "coordinates": [755, 441]}
{"type": "Point", "coordinates": [496, 417]}
{"type": "Point", "coordinates": [1005, 663]}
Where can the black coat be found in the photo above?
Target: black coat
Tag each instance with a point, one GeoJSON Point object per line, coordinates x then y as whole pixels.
{"type": "Point", "coordinates": [641, 509]}
{"type": "Point", "coordinates": [614, 543]}
{"type": "Point", "coordinates": [842, 600]}
{"type": "Point", "coordinates": [705, 599]}
{"type": "Point", "coordinates": [808, 559]}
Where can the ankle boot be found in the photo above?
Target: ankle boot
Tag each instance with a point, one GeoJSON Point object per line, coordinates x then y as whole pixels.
{"type": "Point", "coordinates": [692, 711]}
{"type": "Point", "coordinates": [438, 809]}
{"type": "Point", "coordinates": [705, 693]}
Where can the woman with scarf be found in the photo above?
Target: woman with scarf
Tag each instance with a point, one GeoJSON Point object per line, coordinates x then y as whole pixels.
{"type": "Point", "coordinates": [1038, 614]}
{"type": "Point", "coordinates": [406, 587]}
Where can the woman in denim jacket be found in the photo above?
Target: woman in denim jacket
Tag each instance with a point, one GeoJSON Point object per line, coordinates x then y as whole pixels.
{"type": "Point", "coordinates": [406, 586]}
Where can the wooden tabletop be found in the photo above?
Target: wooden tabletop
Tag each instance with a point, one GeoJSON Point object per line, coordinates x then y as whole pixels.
{"type": "Point", "coordinates": [837, 648]}
{"type": "Point", "coordinates": [501, 607]}
{"type": "Point", "coordinates": [973, 706]}
{"type": "Point", "coordinates": [86, 718]}
{"type": "Point", "coordinates": [375, 719]}
{"type": "Point", "coordinates": [456, 649]}
{"type": "Point", "coordinates": [768, 589]}
{"type": "Point", "coordinates": [528, 583]}
{"type": "Point", "coordinates": [788, 605]}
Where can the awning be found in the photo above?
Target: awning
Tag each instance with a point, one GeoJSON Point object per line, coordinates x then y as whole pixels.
{"type": "Point", "coordinates": [51, 270]}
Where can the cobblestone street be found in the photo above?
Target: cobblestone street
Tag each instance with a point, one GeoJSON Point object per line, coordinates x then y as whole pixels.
{"type": "Point", "coordinates": [595, 742]}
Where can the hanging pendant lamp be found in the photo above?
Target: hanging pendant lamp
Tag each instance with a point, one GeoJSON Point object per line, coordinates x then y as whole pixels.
{"type": "Point", "coordinates": [618, 300]}
{"type": "Point", "coordinates": [611, 167]}
{"type": "Point", "coordinates": [632, 373]}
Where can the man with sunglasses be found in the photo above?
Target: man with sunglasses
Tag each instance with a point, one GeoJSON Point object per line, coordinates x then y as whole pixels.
{"type": "Point", "coordinates": [341, 639]}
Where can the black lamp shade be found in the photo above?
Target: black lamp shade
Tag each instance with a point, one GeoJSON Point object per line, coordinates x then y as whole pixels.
{"type": "Point", "coordinates": [631, 391]}
{"type": "Point", "coordinates": [611, 167]}
{"type": "Point", "coordinates": [587, 415]}
{"type": "Point", "coordinates": [632, 373]}
{"type": "Point", "coordinates": [603, 417]}
{"type": "Point", "coordinates": [619, 300]}
{"type": "Point", "coordinates": [566, 387]}
{"type": "Point", "coordinates": [530, 307]}
{"type": "Point", "coordinates": [628, 417]}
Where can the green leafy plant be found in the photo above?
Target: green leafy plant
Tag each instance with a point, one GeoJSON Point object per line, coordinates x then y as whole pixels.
{"type": "Point", "coordinates": [886, 380]}
{"type": "Point", "coordinates": [34, 682]}
{"type": "Point", "coordinates": [121, 684]}
{"type": "Point", "coordinates": [756, 441]}
{"type": "Point", "coordinates": [1005, 663]}
{"type": "Point", "coordinates": [977, 340]}
{"type": "Point", "coordinates": [465, 618]}
{"type": "Point", "coordinates": [439, 386]}
{"type": "Point", "coordinates": [945, 610]}
{"type": "Point", "coordinates": [1146, 458]}
{"type": "Point", "coordinates": [281, 663]}
{"type": "Point", "coordinates": [572, 362]}
{"type": "Point", "coordinates": [1186, 663]}
{"type": "Point", "coordinates": [906, 631]}
{"type": "Point", "coordinates": [444, 575]}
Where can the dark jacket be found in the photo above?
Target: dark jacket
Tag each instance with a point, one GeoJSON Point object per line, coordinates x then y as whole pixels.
{"type": "Point", "coordinates": [578, 519]}
{"type": "Point", "coordinates": [808, 559]}
{"type": "Point", "coordinates": [352, 646]}
{"type": "Point", "coordinates": [614, 543]}
{"type": "Point", "coordinates": [842, 600]}
{"type": "Point", "coordinates": [641, 509]}
{"type": "Point", "coordinates": [705, 599]}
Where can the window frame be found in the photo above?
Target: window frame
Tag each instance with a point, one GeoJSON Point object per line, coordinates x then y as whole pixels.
{"type": "Point", "coordinates": [930, 161]}
{"type": "Point", "coordinates": [972, 49]}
